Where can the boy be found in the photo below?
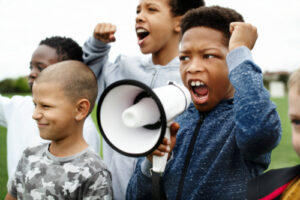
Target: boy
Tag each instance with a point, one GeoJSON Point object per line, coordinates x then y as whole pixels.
{"type": "Point", "coordinates": [158, 32]}
{"type": "Point", "coordinates": [227, 134]}
{"type": "Point", "coordinates": [282, 183]}
{"type": "Point", "coordinates": [66, 168]}
{"type": "Point", "coordinates": [16, 112]}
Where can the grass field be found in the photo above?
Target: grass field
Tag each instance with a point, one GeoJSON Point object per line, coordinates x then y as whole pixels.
{"type": "Point", "coordinates": [282, 156]}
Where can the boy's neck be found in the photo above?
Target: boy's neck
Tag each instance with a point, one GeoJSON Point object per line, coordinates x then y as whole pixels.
{"type": "Point", "coordinates": [167, 53]}
{"type": "Point", "coordinates": [68, 146]}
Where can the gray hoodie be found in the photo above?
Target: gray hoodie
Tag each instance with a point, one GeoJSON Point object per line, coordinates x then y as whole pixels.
{"type": "Point", "coordinates": [136, 68]}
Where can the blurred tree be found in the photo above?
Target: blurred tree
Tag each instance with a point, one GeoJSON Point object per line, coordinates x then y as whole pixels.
{"type": "Point", "coordinates": [18, 85]}
{"type": "Point", "coordinates": [21, 85]}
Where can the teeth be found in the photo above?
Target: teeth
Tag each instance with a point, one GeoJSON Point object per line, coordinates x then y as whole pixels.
{"type": "Point", "coordinates": [141, 31]}
{"type": "Point", "coordinates": [196, 83]}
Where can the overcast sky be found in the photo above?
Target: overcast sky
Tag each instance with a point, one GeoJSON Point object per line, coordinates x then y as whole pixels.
{"type": "Point", "coordinates": [23, 23]}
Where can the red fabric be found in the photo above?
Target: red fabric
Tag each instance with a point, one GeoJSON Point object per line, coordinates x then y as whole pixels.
{"type": "Point", "coordinates": [275, 193]}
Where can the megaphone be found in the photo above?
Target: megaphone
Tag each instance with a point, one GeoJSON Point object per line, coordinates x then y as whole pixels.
{"type": "Point", "coordinates": [133, 118]}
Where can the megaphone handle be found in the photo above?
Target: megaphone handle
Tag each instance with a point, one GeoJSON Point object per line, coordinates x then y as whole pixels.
{"type": "Point", "coordinates": [159, 162]}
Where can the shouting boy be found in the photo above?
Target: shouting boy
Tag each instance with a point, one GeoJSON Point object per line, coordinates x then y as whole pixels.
{"type": "Point", "coordinates": [227, 134]}
{"type": "Point", "coordinates": [65, 168]}
{"type": "Point", "coordinates": [158, 33]}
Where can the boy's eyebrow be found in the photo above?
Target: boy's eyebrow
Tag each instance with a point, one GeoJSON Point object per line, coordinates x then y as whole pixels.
{"type": "Point", "coordinates": [147, 4]}
{"type": "Point", "coordinates": [184, 51]}
{"type": "Point", "coordinates": [202, 50]}
{"type": "Point", "coordinates": [37, 63]}
{"type": "Point", "coordinates": [293, 115]}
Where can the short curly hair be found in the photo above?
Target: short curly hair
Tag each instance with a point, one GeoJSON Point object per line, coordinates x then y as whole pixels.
{"type": "Point", "coordinates": [66, 48]}
{"type": "Point", "coordinates": [180, 7]}
{"type": "Point", "coordinates": [214, 17]}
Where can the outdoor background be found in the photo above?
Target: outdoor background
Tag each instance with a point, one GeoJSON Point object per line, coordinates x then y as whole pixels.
{"type": "Point", "coordinates": [23, 23]}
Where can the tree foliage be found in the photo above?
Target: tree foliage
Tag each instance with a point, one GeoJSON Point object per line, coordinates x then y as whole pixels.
{"type": "Point", "coordinates": [18, 85]}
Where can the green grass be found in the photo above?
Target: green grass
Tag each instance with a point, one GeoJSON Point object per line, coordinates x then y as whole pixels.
{"type": "Point", "coordinates": [3, 167]}
{"type": "Point", "coordinates": [282, 156]}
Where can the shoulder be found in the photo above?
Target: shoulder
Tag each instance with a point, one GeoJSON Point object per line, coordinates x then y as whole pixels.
{"type": "Point", "coordinates": [35, 154]}
{"type": "Point", "coordinates": [270, 181]}
{"type": "Point", "coordinates": [91, 160]}
{"type": "Point", "coordinates": [36, 149]}
{"type": "Point", "coordinates": [131, 59]}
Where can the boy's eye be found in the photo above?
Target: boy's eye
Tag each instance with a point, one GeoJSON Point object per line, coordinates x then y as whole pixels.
{"type": "Point", "coordinates": [183, 58]}
{"type": "Point", "coordinates": [208, 56]}
{"type": "Point", "coordinates": [152, 9]}
{"type": "Point", "coordinates": [295, 122]}
{"type": "Point", "coordinates": [45, 106]}
{"type": "Point", "coordinates": [40, 68]}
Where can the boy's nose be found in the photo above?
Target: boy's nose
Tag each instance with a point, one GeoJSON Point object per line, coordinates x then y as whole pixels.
{"type": "Point", "coordinates": [139, 17]}
{"type": "Point", "coordinates": [34, 73]}
{"type": "Point", "coordinates": [36, 114]}
{"type": "Point", "coordinates": [195, 66]}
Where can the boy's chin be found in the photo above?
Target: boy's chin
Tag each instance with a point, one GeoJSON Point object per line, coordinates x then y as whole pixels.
{"type": "Point", "coordinates": [204, 107]}
{"type": "Point", "coordinates": [145, 51]}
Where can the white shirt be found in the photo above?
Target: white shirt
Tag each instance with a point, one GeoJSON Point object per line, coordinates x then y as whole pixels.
{"type": "Point", "coordinates": [22, 131]}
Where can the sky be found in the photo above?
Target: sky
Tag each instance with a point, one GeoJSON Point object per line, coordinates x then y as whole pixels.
{"type": "Point", "coordinates": [24, 23]}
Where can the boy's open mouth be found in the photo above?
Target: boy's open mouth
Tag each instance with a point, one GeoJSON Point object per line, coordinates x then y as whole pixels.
{"type": "Point", "coordinates": [199, 91]}
{"type": "Point", "coordinates": [141, 34]}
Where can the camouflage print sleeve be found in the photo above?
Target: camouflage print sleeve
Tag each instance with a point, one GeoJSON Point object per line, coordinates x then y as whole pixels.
{"type": "Point", "coordinates": [99, 186]}
{"type": "Point", "coordinates": [15, 179]}
{"type": "Point", "coordinates": [11, 186]}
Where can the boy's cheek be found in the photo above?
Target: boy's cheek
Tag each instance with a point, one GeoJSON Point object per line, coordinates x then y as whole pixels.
{"type": "Point", "coordinates": [296, 141]}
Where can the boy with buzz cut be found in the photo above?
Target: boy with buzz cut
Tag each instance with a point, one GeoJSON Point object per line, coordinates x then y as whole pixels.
{"type": "Point", "coordinates": [228, 132]}
{"type": "Point", "coordinates": [16, 112]}
{"type": "Point", "coordinates": [282, 183]}
{"type": "Point", "coordinates": [65, 168]}
{"type": "Point", "coordinates": [158, 33]}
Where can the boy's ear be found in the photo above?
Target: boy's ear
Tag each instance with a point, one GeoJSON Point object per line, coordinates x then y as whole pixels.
{"type": "Point", "coordinates": [177, 28]}
{"type": "Point", "coordinates": [82, 109]}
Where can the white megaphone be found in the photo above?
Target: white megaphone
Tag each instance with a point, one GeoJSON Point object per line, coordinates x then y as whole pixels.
{"type": "Point", "coordinates": [134, 118]}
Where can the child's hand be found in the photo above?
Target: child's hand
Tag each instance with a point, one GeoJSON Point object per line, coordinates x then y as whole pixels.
{"type": "Point", "coordinates": [105, 32]}
{"type": "Point", "coordinates": [242, 34]}
{"type": "Point", "coordinates": [167, 145]}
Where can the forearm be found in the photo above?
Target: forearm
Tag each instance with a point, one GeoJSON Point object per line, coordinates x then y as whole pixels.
{"type": "Point", "coordinates": [95, 55]}
{"type": "Point", "coordinates": [256, 118]}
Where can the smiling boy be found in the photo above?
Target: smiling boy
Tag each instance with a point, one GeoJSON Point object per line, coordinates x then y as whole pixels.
{"type": "Point", "coordinates": [65, 168]}
{"type": "Point", "coordinates": [16, 112]}
{"type": "Point", "coordinates": [227, 134]}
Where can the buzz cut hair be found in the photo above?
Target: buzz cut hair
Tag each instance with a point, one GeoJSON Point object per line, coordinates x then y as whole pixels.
{"type": "Point", "coordinates": [66, 48]}
{"type": "Point", "coordinates": [215, 17]}
{"type": "Point", "coordinates": [180, 7]}
{"type": "Point", "coordinates": [75, 78]}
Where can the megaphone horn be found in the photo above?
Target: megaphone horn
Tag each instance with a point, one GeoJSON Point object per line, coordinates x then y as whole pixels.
{"type": "Point", "coordinates": [134, 119]}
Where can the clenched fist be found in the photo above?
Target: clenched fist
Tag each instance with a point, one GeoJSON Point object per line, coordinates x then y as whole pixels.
{"type": "Point", "coordinates": [105, 32]}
